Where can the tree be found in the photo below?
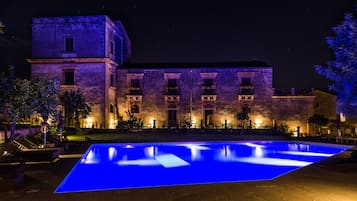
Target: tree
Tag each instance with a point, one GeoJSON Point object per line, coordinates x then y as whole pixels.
{"type": "Point", "coordinates": [343, 70]}
{"type": "Point", "coordinates": [15, 100]}
{"type": "Point", "coordinates": [133, 121]}
{"type": "Point", "coordinates": [243, 115]}
{"type": "Point", "coordinates": [44, 98]}
{"type": "Point", "coordinates": [318, 121]}
{"type": "Point", "coordinates": [75, 107]}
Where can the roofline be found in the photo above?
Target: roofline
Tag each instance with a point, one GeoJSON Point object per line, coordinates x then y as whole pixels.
{"type": "Point", "coordinates": [241, 64]}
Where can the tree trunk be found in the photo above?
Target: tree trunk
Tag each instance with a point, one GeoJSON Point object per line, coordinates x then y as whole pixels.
{"type": "Point", "coordinates": [77, 123]}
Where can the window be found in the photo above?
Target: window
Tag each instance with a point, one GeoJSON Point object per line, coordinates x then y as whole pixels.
{"type": "Point", "coordinates": [69, 45]}
{"type": "Point", "coordinates": [135, 83]}
{"type": "Point", "coordinates": [172, 117]}
{"type": "Point", "coordinates": [208, 86]}
{"type": "Point", "coordinates": [112, 80]}
{"type": "Point", "coordinates": [134, 109]}
{"type": "Point", "coordinates": [112, 47]}
{"type": "Point", "coordinates": [208, 82]}
{"type": "Point", "coordinates": [172, 83]}
{"type": "Point", "coordinates": [172, 88]}
{"type": "Point", "coordinates": [69, 77]}
{"type": "Point", "coordinates": [111, 108]}
{"type": "Point", "coordinates": [246, 81]}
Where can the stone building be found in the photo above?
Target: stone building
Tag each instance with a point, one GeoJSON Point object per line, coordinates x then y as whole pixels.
{"type": "Point", "coordinates": [91, 54]}
{"type": "Point", "coordinates": [83, 53]}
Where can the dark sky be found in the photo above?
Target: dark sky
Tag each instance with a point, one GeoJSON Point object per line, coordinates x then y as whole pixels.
{"type": "Point", "coordinates": [288, 35]}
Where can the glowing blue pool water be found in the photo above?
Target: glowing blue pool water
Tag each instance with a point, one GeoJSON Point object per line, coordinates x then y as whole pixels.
{"type": "Point", "coordinates": [120, 166]}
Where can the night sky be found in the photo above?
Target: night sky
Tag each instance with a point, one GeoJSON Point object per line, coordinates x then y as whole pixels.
{"type": "Point", "coordinates": [288, 35]}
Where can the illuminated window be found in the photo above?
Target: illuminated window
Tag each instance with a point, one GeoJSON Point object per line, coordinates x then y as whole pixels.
{"type": "Point", "coordinates": [69, 44]}
{"type": "Point", "coordinates": [68, 77]}
{"type": "Point", "coordinates": [134, 109]}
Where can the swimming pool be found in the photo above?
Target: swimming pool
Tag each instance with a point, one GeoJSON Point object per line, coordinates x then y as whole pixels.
{"type": "Point", "coordinates": [122, 166]}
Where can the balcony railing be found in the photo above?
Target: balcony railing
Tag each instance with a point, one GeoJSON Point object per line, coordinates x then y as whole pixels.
{"type": "Point", "coordinates": [172, 91]}
{"type": "Point", "coordinates": [246, 91]}
{"type": "Point", "coordinates": [208, 90]}
{"type": "Point", "coordinates": [135, 91]}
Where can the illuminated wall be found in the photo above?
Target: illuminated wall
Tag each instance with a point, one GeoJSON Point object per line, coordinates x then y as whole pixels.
{"type": "Point", "coordinates": [213, 106]}
{"type": "Point", "coordinates": [89, 46]}
{"type": "Point", "coordinates": [293, 111]}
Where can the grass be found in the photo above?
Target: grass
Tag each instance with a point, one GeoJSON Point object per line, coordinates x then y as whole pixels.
{"type": "Point", "coordinates": [97, 137]}
{"type": "Point", "coordinates": [167, 136]}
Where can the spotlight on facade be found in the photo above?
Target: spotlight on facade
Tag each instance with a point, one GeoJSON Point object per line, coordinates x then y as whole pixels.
{"type": "Point", "coordinates": [89, 122]}
{"type": "Point", "coordinates": [154, 123]}
{"type": "Point", "coordinates": [258, 123]}
{"type": "Point", "coordinates": [342, 117]}
{"type": "Point", "coordinates": [112, 123]}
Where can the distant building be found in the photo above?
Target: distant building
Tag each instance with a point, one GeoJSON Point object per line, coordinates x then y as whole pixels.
{"type": "Point", "coordinates": [91, 54]}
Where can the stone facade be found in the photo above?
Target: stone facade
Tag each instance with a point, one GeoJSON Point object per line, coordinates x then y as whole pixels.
{"type": "Point", "coordinates": [211, 94]}
{"type": "Point", "coordinates": [90, 54]}
{"type": "Point", "coordinates": [83, 53]}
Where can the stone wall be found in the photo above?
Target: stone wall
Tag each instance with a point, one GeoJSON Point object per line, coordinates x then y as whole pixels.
{"type": "Point", "coordinates": [94, 59]}
{"type": "Point", "coordinates": [293, 111]}
{"type": "Point", "coordinates": [48, 35]}
{"type": "Point", "coordinates": [325, 104]}
{"type": "Point", "coordinates": [225, 103]}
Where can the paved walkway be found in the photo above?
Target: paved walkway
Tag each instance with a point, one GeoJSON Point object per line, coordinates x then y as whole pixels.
{"type": "Point", "coordinates": [333, 179]}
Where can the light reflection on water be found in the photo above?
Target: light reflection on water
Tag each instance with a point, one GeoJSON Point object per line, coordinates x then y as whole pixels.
{"type": "Point", "coordinates": [117, 166]}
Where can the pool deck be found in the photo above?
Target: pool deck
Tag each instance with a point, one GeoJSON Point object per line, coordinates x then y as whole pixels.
{"type": "Point", "coordinates": [333, 179]}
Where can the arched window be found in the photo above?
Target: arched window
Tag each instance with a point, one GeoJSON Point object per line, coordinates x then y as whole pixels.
{"type": "Point", "coordinates": [134, 109]}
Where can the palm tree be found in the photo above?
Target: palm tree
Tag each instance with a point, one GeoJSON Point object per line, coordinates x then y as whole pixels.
{"type": "Point", "coordinates": [75, 107]}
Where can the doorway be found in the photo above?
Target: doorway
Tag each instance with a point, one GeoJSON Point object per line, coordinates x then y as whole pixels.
{"type": "Point", "coordinates": [208, 118]}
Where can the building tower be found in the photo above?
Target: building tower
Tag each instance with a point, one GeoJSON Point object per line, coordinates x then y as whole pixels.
{"type": "Point", "coordinates": [82, 53]}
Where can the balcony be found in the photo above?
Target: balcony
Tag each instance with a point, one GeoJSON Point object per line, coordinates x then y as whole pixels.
{"type": "Point", "coordinates": [135, 91]}
{"type": "Point", "coordinates": [246, 92]}
{"type": "Point", "coordinates": [171, 91]}
{"type": "Point", "coordinates": [208, 90]}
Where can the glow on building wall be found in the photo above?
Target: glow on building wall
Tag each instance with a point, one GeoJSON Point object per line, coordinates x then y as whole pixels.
{"type": "Point", "coordinates": [89, 122]}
